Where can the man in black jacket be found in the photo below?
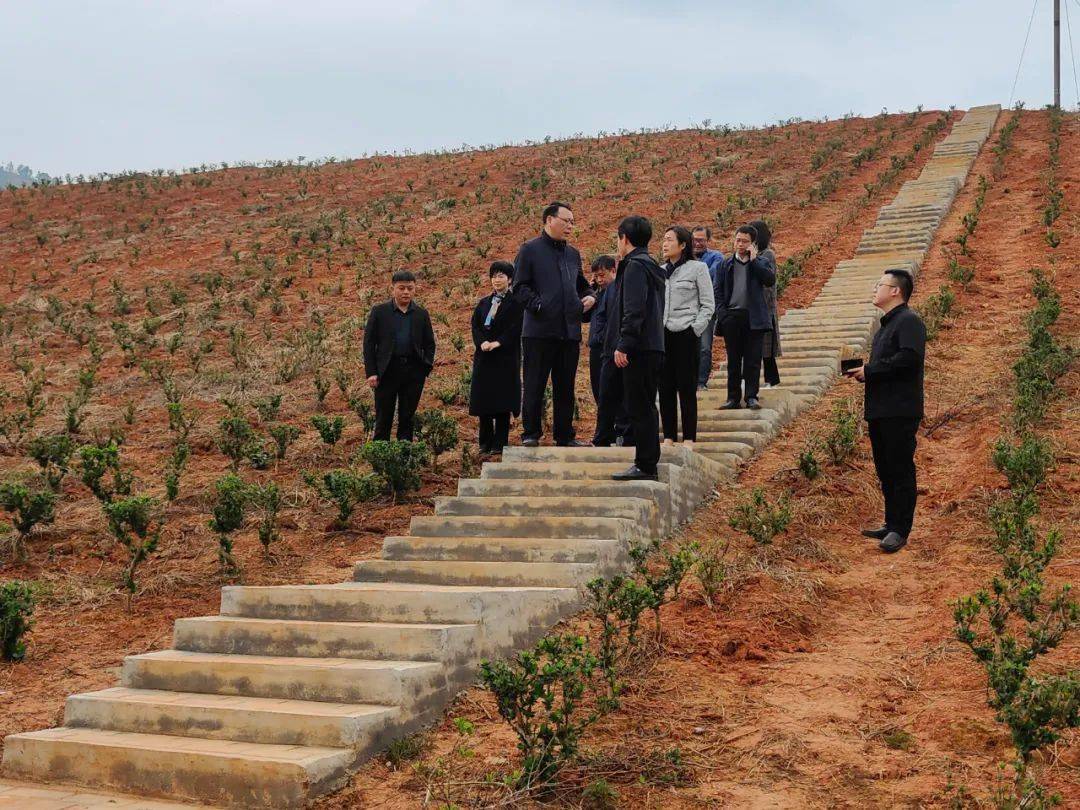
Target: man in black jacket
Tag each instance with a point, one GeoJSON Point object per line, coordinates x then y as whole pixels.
{"type": "Point", "coordinates": [894, 404]}
{"type": "Point", "coordinates": [550, 285]}
{"type": "Point", "coordinates": [743, 316]}
{"type": "Point", "coordinates": [635, 340]}
{"type": "Point", "coordinates": [399, 352]}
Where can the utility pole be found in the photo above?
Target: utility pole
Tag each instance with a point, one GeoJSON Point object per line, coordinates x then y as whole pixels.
{"type": "Point", "coordinates": [1057, 54]}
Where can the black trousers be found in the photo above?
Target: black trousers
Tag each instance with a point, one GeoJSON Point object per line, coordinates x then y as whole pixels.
{"type": "Point", "coordinates": [893, 443]}
{"type": "Point", "coordinates": [596, 365]}
{"type": "Point", "coordinates": [543, 358]}
{"type": "Point", "coordinates": [743, 346]}
{"type": "Point", "coordinates": [640, 381]}
{"type": "Point", "coordinates": [772, 371]}
{"type": "Point", "coordinates": [611, 420]}
{"type": "Point", "coordinates": [399, 387]}
{"type": "Point", "coordinates": [494, 432]}
{"type": "Point", "coordinates": [678, 380]}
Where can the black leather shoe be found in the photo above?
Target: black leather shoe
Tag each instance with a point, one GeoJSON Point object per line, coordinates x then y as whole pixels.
{"type": "Point", "coordinates": [634, 473]}
{"type": "Point", "coordinates": [530, 442]}
{"type": "Point", "coordinates": [753, 404]}
{"type": "Point", "coordinates": [875, 534]}
{"type": "Point", "coordinates": [575, 443]}
{"type": "Point", "coordinates": [892, 543]}
{"type": "Point", "coordinates": [731, 405]}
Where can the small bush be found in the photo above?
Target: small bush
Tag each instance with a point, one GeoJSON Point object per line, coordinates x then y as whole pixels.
{"type": "Point", "coordinates": [268, 407]}
{"type": "Point", "coordinates": [364, 411]}
{"type": "Point", "coordinates": [53, 454]}
{"type": "Point", "coordinates": [136, 525]}
{"type": "Point", "coordinates": [711, 570]}
{"type": "Point", "coordinates": [936, 310]}
{"type": "Point", "coordinates": [398, 463]}
{"type": "Point", "coordinates": [236, 439]}
{"type": "Point", "coordinates": [16, 607]}
{"type": "Point", "coordinates": [102, 472]}
{"type": "Point", "coordinates": [760, 519]}
{"type": "Point", "coordinates": [268, 498]}
{"type": "Point", "coordinates": [28, 507]}
{"type": "Point", "coordinates": [843, 436]}
{"type": "Point", "coordinates": [438, 430]}
{"type": "Point", "coordinates": [283, 436]}
{"type": "Point", "coordinates": [539, 694]}
{"type": "Point", "coordinates": [1024, 464]}
{"type": "Point", "coordinates": [329, 429]}
{"type": "Point", "coordinates": [174, 469]}
{"type": "Point", "coordinates": [228, 515]}
{"type": "Point", "coordinates": [345, 488]}
{"type": "Point", "coordinates": [809, 465]}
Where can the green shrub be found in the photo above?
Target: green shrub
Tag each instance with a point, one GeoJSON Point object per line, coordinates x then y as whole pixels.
{"type": "Point", "coordinates": [711, 570]}
{"type": "Point", "coordinates": [236, 439]}
{"type": "Point", "coordinates": [267, 407]}
{"type": "Point", "coordinates": [843, 435]}
{"type": "Point", "coordinates": [759, 518]}
{"type": "Point", "coordinates": [228, 515]}
{"type": "Point", "coordinates": [398, 463]}
{"type": "Point", "coordinates": [135, 523]}
{"type": "Point", "coordinates": [102, 472]}
{"type": "Point", "coordinates": [53, 454]}
{"type": "Point", "coordinates": [619, 603]}
{"type": "Point", "coordinates": [174, 468]}
{"type": "Point", "coordinates": [345, 488]}
{"type": "Point", "coordinates": [28, 507]}
{"type": "Point", "coordinates": [268, 498]}
{"type": "Point", "coordinates": [539, 694]}
{"type": "Point", "coordinates": [283, 436]}
{"type": "Point", "coordinates": [364, 411]}
{"type": "Point", "coordinates": [329, 429]}
{"type": "Point", "coordinates": [438, 430]}
{"type": "Point", "coordinates": [16, 607]}
{"type": "Point", "coordinates": [809, 465]}
{"type": "Point", "coordinates": [936, 310]}
{"type": "Point", "coordinates": [1024, 464]}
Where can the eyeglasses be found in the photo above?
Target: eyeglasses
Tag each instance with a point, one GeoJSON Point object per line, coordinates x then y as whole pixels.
{"type": "Point", "coordinates": [569, 222]}
{"type": "Point", "coordinates": [879, 284]}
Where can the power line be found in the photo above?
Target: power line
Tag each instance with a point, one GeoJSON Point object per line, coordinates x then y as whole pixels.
{"type": "Point", "coordinates": [1072, 51]}
{"type": "Point", "coordinates": [1023, 50]}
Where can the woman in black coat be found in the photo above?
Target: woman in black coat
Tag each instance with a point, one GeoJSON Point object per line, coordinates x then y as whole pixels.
{"type": "Point", "coordinates": [496, 376]}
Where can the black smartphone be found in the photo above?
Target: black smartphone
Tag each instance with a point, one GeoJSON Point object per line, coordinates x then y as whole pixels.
{"type": "Point", "coordinates": [848, 366]}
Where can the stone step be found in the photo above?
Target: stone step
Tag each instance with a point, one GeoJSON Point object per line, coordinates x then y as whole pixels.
{"type": "Point", "coordinates": [643, 511]}
{"type": "Point", "coordinates": [334, 680]}
{"type": "Point", "coordinates": [504, 549]}
{"type": "Point", "coordinates": [37, 796]}
{"type": "Point", "coordinates": [446, 572]}
{"type": "Point", "coordinates": [297, 638]}
{"type": "Point", "coordinates": [269, 721]}
{"type": "Point", "coordinates": [540, 526]}
{"type": "Point", "coordinates": [564, 470]}
{"type": "Point", "coordinates": [219, 771]}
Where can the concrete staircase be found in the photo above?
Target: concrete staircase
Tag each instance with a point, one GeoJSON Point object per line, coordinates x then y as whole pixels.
{"type": "Point", "coordinates": [277, 698]}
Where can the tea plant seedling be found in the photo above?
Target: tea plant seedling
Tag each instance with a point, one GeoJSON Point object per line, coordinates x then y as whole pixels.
{"type": "Point", "coordinates": [16, 607]}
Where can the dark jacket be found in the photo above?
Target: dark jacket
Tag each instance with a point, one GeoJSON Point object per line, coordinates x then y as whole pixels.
{"type": "Point", "coordinates": [496, 375]}
{"type": "Point", "coordinates": [761, 275]}
{"type": "Point", "coordinates": [379, 338]}
{"type": "Point", "coordinates": [770, 347]}
{"type": "Point", "coordinates": [598, 318]}
{"type": "Point", "coordinates": [550, 285]}
{"type": "Point", "coordinates": [635, 307]}
{"type": "Point", "coordinates": [894, 370]}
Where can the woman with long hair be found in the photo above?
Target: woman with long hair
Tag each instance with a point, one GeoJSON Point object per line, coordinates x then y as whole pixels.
{"type": "Point", "coordinates": [688, 309]}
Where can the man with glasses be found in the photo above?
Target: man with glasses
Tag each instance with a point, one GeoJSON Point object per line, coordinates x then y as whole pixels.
{"type": "Point", "coordinates": [549, 283]}
{"type": "Point", "coordinates": [712, 258]}
{"type": "Point", "coordinates": [893, 375]}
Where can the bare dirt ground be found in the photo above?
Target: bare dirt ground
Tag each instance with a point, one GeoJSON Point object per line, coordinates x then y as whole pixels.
{"type": "Point", "coordinates": [794, 689]}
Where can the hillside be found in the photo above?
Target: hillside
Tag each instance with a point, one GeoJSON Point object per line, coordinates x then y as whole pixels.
{"type": "Point", "coordinates": [246, 282]}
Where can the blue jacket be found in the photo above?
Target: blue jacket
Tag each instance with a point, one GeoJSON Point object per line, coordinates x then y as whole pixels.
{"type": "Point", "coordinates": [549, 284]}
{"type": "Point", "coordinates": [598, 319]}
{"type": "Point", "coordinates": [713, 259]}
{"type": "Point", "coordinates": [762, 275]}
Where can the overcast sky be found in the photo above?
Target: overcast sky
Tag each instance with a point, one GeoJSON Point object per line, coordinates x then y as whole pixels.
{"type": "Point", "coordinates": [109, 85]}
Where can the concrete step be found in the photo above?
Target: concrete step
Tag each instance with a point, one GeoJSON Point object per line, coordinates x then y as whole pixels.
{"type": "Point", "coordinates": [219, 771]}
{"type": "Point", "coordinates": [540, 526]}
{"type": "Point", "coordinates": [446, 572]}
{"type": "Point", "coordinates": [334, 680]}
{"type": "Point", "coordinates": [226, 717]}
{"type": "Point", "coordinates": [240, 635]}
{"type": "Point", "coordinates": [503, 549]}
{"type": "Point", "coordinates": [623, 506]}
{"type": "Point", "coordinates": [563, 470]}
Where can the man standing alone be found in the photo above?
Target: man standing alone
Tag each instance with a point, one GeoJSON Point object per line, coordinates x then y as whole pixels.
{"type": "Point", "coordinates": [635, 339]}
{"type": "Point", "coordinates": [894, 404]}
{"type": "Point", "coordinates": [743, 317]}
{"type": "Point", "coordinates": [550, 285]}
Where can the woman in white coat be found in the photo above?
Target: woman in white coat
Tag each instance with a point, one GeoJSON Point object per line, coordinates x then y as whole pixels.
{"type": "Point", "coordinates": [688, 308]}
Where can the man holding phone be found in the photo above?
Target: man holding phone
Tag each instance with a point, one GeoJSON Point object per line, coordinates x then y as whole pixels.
{"type": "Point", "coordinates": [893, 375]}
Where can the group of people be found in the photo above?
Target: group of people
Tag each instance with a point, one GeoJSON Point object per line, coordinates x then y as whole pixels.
{"type": "Point", "coordinates": [651, 329]}
{"type": "Point", "coordinates": [650, 338]}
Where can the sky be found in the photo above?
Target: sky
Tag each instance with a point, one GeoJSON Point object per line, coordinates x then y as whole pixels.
{"type": "Point", "coordinates": [115, 85]}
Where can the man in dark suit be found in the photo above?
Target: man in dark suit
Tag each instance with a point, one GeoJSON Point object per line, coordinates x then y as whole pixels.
{"type": "Point", "coordinates": [612, 424]}
{"type": "Point", "coordinates": [635, 341]}
{"type": "Point", "coordinates": [893, 407]}
{"type": "Point", "coordinates": [551, 287]}
{"type": "Point", "coordinates": [743, 316]}
{"type": "Point", "coordinates": [399, 352]}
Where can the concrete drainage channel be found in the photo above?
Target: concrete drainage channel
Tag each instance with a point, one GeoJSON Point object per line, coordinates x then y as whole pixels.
{"type": "Point", "coordinates": [278, 698]}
